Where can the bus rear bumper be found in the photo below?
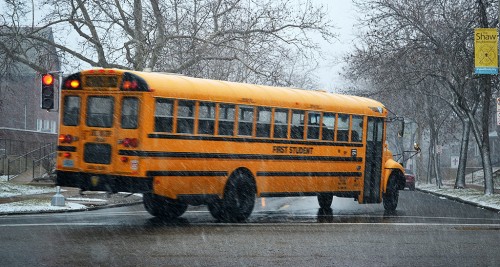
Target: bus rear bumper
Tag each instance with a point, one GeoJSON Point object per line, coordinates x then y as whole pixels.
{"type": "Point", "coordinates": [102, 182]}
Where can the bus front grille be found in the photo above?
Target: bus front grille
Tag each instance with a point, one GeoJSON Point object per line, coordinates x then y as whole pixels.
{"type": "Point", "coordinates": [97, 153]}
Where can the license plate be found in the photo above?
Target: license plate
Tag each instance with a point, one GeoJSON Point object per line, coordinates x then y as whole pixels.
{"type": "Point", "coordinates": [68, 163]}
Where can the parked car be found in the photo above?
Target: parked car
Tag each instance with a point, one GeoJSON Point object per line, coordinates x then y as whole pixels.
{"type": "Point", "coordinates": [410, 179]}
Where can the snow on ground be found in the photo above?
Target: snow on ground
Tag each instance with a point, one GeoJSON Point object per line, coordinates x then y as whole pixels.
{"type": "Point", "coordinates": [8, 190]}
{"type": "Point", "coordinates": [86, 200]}
{"type": "Point", "coordinates": [31, 201]}
{"type": "Point", "coordinates": [467, 194]}
{"type": "Point", "coordinates": [37, 205]}
{"type": "Point", "coordinates": [11, 190]}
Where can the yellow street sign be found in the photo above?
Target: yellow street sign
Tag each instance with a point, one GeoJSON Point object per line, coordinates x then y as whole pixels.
{"type": "Point", "coordinates": [486, 50]}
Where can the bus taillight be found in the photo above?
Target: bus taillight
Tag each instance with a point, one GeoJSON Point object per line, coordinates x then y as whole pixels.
{"type": "Point", "coordinates": [130, 142]}
{"type": "Point", "coordinates": [129, 85]}
{"type": "Point", "coordinates": [66, 138]}
{"type": "Point", "coordinates": [72, 82]}
{"type": "Point", "coordinates": [67, 155]}
{"type": "Point", "coordinates": [132, 82]}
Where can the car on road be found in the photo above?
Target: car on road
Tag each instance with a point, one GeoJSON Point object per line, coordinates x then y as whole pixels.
{"type": "Point", "coordinates": [410, 179]}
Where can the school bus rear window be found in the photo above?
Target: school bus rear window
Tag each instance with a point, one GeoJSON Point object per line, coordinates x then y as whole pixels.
{"type": "Point", "coordinates": [71, 112]}
{"type": "Point", "coordinates": [100, 111]}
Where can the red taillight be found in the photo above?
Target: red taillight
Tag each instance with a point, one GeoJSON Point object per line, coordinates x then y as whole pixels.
{"type": "Point", "coordinates": [124, 159]}
{"type": "Point", "coordinates": [130, 142]}
{"type": "Point", "coordinates": [67, 155]}
{"type": "Point", "coordinates": [65, 138]}
{"type": "Point", "coordinates": [129, 85]}
{"type": "Point", "coordinates": [132, 82]}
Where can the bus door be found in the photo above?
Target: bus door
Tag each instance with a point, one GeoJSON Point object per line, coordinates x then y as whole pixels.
{"type": "Point", "coordinates": [373, 161]}
{"type": "Point", "coordinates": [98, 132]}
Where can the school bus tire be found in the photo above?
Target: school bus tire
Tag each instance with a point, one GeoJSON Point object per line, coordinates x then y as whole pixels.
{"type": "Point", "coordinates": [391, 196]}
{"type": "Point", "coordinates": [325, 200]}
{"type": "Point", "coordinates": [216, 208]}
{"type": "Point", "coordinates": [162, 207]}
{"type": "Point", "coordinates": [239, 197]}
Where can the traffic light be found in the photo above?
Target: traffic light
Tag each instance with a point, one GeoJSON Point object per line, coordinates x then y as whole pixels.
{"type": "Point", "coordinates": [47, 91]}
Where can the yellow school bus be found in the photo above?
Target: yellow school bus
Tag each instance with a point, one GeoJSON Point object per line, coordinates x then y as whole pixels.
{"type": "Point", "coordinates": [187, 141]}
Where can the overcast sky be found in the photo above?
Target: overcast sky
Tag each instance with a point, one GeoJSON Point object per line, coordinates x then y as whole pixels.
{"type": "Point", "coordinates": [343, 17]}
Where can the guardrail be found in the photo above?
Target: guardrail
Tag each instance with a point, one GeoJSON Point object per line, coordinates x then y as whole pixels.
{"type": "Point", "coordinates": [43, 165]}
{"type": "Point", "coordinates": [22, 163]}
{"type": "Point", "coordinates": [472, 172]}
{"type": "Point", "coordinates": [10, 147]}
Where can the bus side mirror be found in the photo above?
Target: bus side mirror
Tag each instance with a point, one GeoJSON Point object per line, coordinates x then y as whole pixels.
{"type": "Point", "coordinates": [416, 147]}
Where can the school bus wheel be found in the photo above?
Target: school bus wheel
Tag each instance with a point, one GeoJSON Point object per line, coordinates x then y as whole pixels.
{"type": "Point", "coordinates": [239, 197]}
{"type": "Point", "coordinates": [390, 197]}
{"type": "Point", "coordinates": [162, 207]}
{"type": "Point", "coordinates": [325, 200]}
{"type": "Point", "coordinates": [216, 208]}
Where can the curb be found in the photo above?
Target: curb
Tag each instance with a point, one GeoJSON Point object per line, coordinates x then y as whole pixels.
{"type": "Point", "coordinates": [88, 208]}
{"type": "Point", "coordinates": [459, 200]}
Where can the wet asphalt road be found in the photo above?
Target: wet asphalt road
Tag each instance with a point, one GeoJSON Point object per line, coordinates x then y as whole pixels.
{"type": "Point", "coordinates": [424, 231]}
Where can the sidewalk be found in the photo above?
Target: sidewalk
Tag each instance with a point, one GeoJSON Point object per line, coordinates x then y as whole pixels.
{"type": "Point", "coordinates": [22, 197]}
{"type": "Point", "coordinates": [471, 194]}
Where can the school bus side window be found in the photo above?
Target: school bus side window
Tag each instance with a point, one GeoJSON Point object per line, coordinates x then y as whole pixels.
{"type": "Point", "coordinates": [313, 125]}
{"type": "Point", "coordinates": [185, 117]}
{"type": "Point", "coordinates": [226, 119]}
{"type": "Point", "coordinates": [71, 115]}
{"type": "Point", "coordinates": [280, 123]}
{"type": "Point", "coordinates": [245, 121]}
{"type": "Point", "coordinates": [164, 115]}
{"type": "Point", "coordinates": [357, 128]}
{"type": "Point", "coordinates": [130, 110]}
{"type": "Point", "coordinates": [206, 118]}
{"type": "Point", "coordinates": [263, 122]}
{"type": "Point", "coordinates": [328, 126]}
{"type": "Point", "coordinates": [297, 124]}
{"type": "Point", "coordinates": [343, 128]}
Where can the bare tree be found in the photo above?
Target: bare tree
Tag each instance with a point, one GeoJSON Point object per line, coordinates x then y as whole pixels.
{"type": "Point", "coordinates": [410, 42]}
{"type": "Point", "coordinates": [241, 40]}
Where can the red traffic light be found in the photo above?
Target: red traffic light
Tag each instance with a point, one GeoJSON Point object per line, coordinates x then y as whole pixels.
{"type": "Point", "coordinates": [47, 79]}
{"type": "Point", "coordinates": [47, 97]}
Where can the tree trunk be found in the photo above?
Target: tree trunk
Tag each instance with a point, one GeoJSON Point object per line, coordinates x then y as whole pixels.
{"type": "Point", "coordinates": [429, 163]}
{"type": "Point", "coordinates": [462, 163]}
{"type": "Point", "coordinates": [435, 162]}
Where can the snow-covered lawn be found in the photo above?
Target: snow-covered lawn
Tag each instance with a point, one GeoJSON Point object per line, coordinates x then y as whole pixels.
{"type": "Point", "coordinates": [8, 190]}
{"type": "Point", "coordinates": [11, 190]}
{"type": "Point", "coordinates": [37, 205]}
{"type": "Point", "coordinates": [467, 194]}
